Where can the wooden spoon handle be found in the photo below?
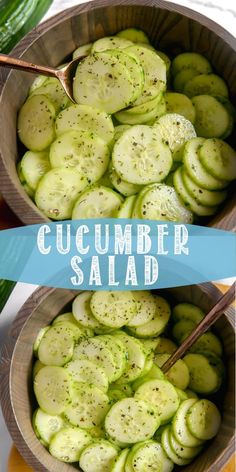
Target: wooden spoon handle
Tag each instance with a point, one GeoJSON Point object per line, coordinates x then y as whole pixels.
{"type": "Point", "coordinates": [202, 327]}
{"type": "Point", "coordinates": [15, 63]}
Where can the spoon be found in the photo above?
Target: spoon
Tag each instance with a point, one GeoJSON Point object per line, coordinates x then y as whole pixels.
{"type": "Point", "coordinates": [65, 75]}
{"type": "Point", "coordinates": [203, 326]}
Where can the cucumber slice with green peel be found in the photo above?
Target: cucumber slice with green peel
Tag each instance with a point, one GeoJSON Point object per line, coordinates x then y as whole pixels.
{"type": "Point", "coordinates": [131, 420]}
{"type": "Point", "coordinates": [126, 117]}
{"type": "Point", "coordinates": [208, 342]}
{"type": "Point", "coordinates": [126, 208]}
{"type": "Point", "coordinates": [57, 192]}
{"type": "Point", "coordinates": [99, 456]}
{"type": "Point", "coordinates": [94, 350]}
{"type": "Point", "coordinates": [215, 362]}
{"type": "Point", "coordinates": [136, 358]}
{"type": "Point", "coordinates": [212, 118]}
{"type": "Point", "coordinates": [162, 395]}
{"type": "Point", "coordinates": [134, 34]}
{"type": "Point", "coordinates": [113, 309]}
{"type": "Point", "coordinates": [38, 82]}
{"type": "Point", "coordinates": [125, 388]}
{"type": "Point", "coordinates": [82, 370]}
{"type": "Point", "coordinates": [120, 460]}
{"type": "Point", "coordinates": [191, 60]}
{"type": "Point", "coordinates": [82, 150]}
{"type": "Point", "coordinates": [89, 406]}
{"type": "Point", "coordinates": [181, 394]}
{"type": "Point", "coordinates": [119, 130]}
{"type": "Point", "coordinates": [34, 165]}
{"type": "Point", "coordinates": [154, 72]}
{"type": "Point", "coordinates": [146, 308]}
{"type": "Point", "coordinates": [68, 444]}
{"type": "Point", "coordinates": [161, 202]}
{"type": "Point", "coordinates": [82, 311]}
{"type": "Point", "coordinates": [151, 456]}
{"type": "Point", "coordinates": [126, 188]}
{"type": "Point", "coordinates": [53, 90]}
{"type": "Point", "coordinates": [175, 130]}
{"type": "Point", "coordinates": [140, 157]}
{"type": "Point", "coordinates": [219, 159]}
{"type": "Point", "coordinates": [206, 84]}
{"type": "Point", "coordinates": [203, 420]}
{"type": "Point", "coordinates": [191, 393]}
{"type": "Point", "coordinates": [146, 107]}
{"type": "Point", "coordinates": [36, 123]}
{"type": "Point", "coordinates": [110, 42]}
{"type": "Point", "coordinates": [39, 338]}
{"type": "Point", "coordinates": [87, 118]}
{"type": "Point", "coordinates": [183, 451]}
{"type": "Point", "coordinates": [84, 50]}
{"type": "Point", "coordinates": [103, 82]}
{"type": "Point", "coordinates": [150, 345]}
{"type": "Point", "coordinates": [182, 78]}
{"type": "Point", "coordinates": [115, 395]}
{"type": "Point", "coordinates": [37, 367]}
{"type": "Point", "coordinates": [165, 442]}
{"type": "Point", "coordinates": [155, 373]}
{"type": "Point", "coordinates": [190, 202]}
{"type": "Point", "coordinates": [47, 425]}
{"type": "Point", "coordinates": [57, 345]}
{"type": "Point", "coordinates": [97, 202]}
{"type": "Point", "coordinates": [165, 345]}
{"type": "Point", "coordinates": [182, 329]}
{"type": "Point", "coordinates": [85, 332]}
{"type": "Point", "coordinates": [180, 104]}
{"type": "Point", "coordinates": [165, 58]}
{"type": "Point", "coordinates": [79, 332]}
{"type": "Point", "coordinates": [179, 425]}
{"type": "Point", "coordinates": [117, 349]}
{"type": "Point", "coordinates": [196, 171]}
{"type": "Point", "coordinates": [52, 388]}
{"type": "Point", "coordinates": [178, 374]}
{"type": "Point", "coordinates": [188, 311]}
{"type": "Point", "coordinates": [205, 378]}
{"type": "Point", "coordinates": [128, 464]}
{"type": "Point", "coordinates": [201, 195]}
{"type": "Point", "coordinates": [136, 213]}
{"type": "Point", "coordinates": [157, 324]}
{"type": "Point", "coordinates": [97, 432]}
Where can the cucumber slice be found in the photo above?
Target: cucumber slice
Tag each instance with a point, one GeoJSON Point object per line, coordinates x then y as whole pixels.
{"type": "Point", "coordinates": [201, 195]}
{"type": "Point", "coordinates": [36, 123]}
{"type": "Point", "coordinates": [204, 377]}
{"type": "Point", "coordinates": [144, 108]}
{"type": "Point", "coordinates": [118, 131]}
{"type": "Point", "coordinates": [84, 50]}
{"type": "Point", "coordinates": [151, 456]}
{"type": "Point", "coordinates": [182, 78]}
{"type": "Point", "coordinates": [94, 350]}
{"type": "Point", "coordinates": [134, 34]}
{"type": "Point", "coordinates": [189, 201]}
{"type": "Point", "coordinates": [37, 367]}
{"type": "Point", "coordinates": [77, 117]}
{"type": "Point", "coordinates": [182, 329]}
{"type": "Point", "coordinates": [146, 308]}
{"type": "Point", "coordinates": [119, 463]}
{"type": "Point", "coordinates": [82, 150]}
{"type": "Point", "coordinates": [165, 345]}
{"type": "Point", "coordinates": [158, 323]}
{"type": "Point", "coordinates": [191, 394]}
{"type": "Point", "coordinates": [154, 373]}
{"type": "Point", "coordinates": [187, 311]}
{"type": "Point", "coordinates": [82, 370]}
{"type": "Point", "coordinates": [57, 345]}
{"type": "Point", "coordinates": [57, 192]}
{"type": "Point", "coordinates": [175, 131]}
{"type": "Point", "coordinates": [166, 60]}
{"type": "Point", "coordinates": [67, 444]}
{"type": "Point", "coordinates": [47, 425]}
{"type": "Point", "coordinates": [37, 83]}
{"type": "Point", "coordinates": [89, 406]}
{"type": "Point", "coordinates": [97, 202]}
{"type": "Point", "coordinates": [154, 72]}
{"type": "Point", "coordinates": [215, 362]}
{"type": "Point", "coordinates": [191, 60]}
{"type": "Point", "coordinates": [165, 441]}
{"type": "Point", "coordinates": [162, 395]}
{"type": "Point", "coordinates": [203, 420]}
{"type": "Point", "coordinates": [150, 345]}
{"type": "Point", "coordinates": [212, 118]}
{"type": "Point", "coordinates": [126, 208]}
{"type": "Point", "coordinates": [117, 349]}
{"type": "Point", "coordinates": [110, 42]}
{"type": "Point", "coordinates": [137, 206]}
{"type": "Point", "coordinates": [161, 202]}
{"type": "Point", "coordinates": [52, 388]}
{"type": "Point", "coordinates": [179, 425]}
{"type": "Point", "coordinates": [39, 338]}
{"type": "Point", "coordinates": [34, 165]}
{"type": "Point", "coordinates": [136, 358]}
{"type": "Point", "coordinates": [183, 451]}
{"type": "Point", "coordinates": [181, 394]}
{"type": "Point", "coordinates": [206, 84]}
{"type": "Point", "coordinates": [131, 420]}
{"type": "Point", "coordinates": [113, 309]}
{"type": "Point", "coordinates": [180, 104]}
{"type": "Point", "coordinates": [219, 159]}
{"type": "Point", "coordinates": [27, 188]}
{"type": "Point", "coordinates": [82, 311]}
{"type": "Point", "coordinates": [139, 118]}
{"type": "Point", "coordinates": [115, 395]}
{"type": "Point", "coordinates": [178, 374]}
{"type": "Point", "coordinates": [196, 170]}
{"type": "Point", "coordinates": [139, 157]}
{"type": "Point", "coordinates": [53, 90]}
{"type": "Point", "coordinates": [208, 342]}
{"type": "Point", "coordinates": [126, 188]}
{"type": "Point", "coordinates": [103, 82]}
{"type": "Point", "coordinates": [80, 330]}
{"type": "Point", "coordinates": [99, 456]}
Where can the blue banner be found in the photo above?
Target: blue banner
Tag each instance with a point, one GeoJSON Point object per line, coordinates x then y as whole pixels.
{"type": "Point", "coordinates": [112, 254]}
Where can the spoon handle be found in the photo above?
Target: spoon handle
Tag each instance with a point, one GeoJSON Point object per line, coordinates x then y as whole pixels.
{"type": "Point", "coordinates": [203, 326]}
{"type": "Point", "coordinates": [15, 63]}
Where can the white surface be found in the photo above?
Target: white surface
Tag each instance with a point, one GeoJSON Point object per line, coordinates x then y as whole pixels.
{"type": "Point", "coordinates": [223, 13]}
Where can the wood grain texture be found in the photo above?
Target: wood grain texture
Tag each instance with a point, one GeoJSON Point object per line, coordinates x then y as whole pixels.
{"type": "Point", "coordinates": [171, 27]}
{"type": "Point", "coordinates": [15, 376]}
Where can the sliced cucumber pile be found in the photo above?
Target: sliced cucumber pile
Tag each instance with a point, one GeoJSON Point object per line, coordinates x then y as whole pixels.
{"type": "Point", "coordinates": [97, 158]}
{"type": "Point", "coordinates": [103, 400]}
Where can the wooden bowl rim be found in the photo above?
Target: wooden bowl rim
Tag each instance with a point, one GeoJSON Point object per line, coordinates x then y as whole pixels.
{"type": "Point", "coordinates": [7, 353]}
{"type": "Point", "coordinates": [29, 212]}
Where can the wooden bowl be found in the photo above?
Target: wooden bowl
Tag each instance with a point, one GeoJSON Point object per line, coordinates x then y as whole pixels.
{"type": "Point", "coordinates": [171, 27]}
{"type": "Point", "coordinates": [16, 379]}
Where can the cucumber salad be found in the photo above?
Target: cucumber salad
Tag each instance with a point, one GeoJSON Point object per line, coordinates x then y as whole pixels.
{"type": "Point", "coordinates": [103, 400]}
{"type": "Point", "coordinates": [145, 138]}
